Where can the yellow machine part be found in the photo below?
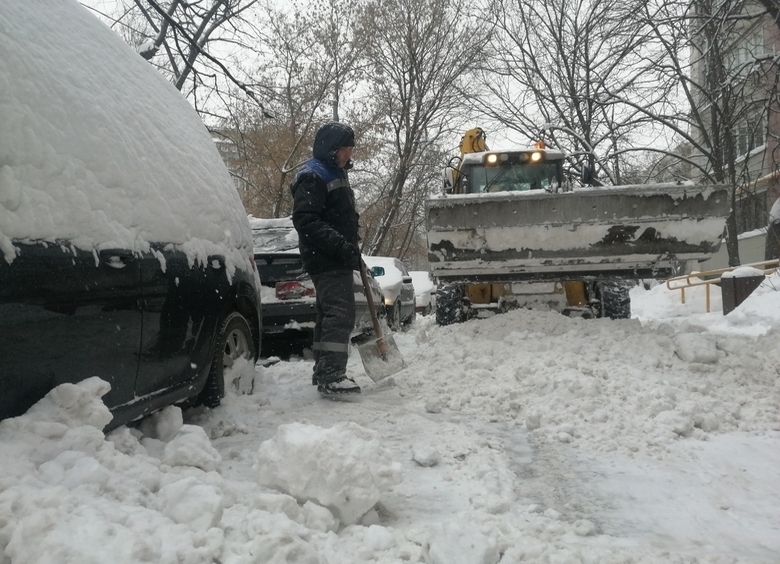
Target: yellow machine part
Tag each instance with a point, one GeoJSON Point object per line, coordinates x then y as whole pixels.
{"type": "Point", "coordinates": [473, 141]}
{"type": "Point", "coordinates": [484, 293]}
{"type": "Point", "coordinates": [575, 293]}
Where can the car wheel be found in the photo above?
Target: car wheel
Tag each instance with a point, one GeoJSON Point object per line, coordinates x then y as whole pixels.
{"type": "Point", "coordinates": [234, 340]}
{"type": "Point", "coordinates": [394, 317]}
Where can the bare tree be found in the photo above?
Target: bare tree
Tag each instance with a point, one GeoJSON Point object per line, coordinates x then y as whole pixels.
{"type": "Point", "coordinates": [418, 54]}
{"type": "Point", "coordinates": [189, 42]}
{"type": "Point", "coordinates": [554, 69]}
{"type": "Point", "coordinates": [715, 55]}
{"type": "Point", "coordinates": [309, 56]}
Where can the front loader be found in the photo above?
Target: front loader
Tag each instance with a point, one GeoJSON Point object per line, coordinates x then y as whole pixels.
{"type": "Point", "coordinates": [511, 231]}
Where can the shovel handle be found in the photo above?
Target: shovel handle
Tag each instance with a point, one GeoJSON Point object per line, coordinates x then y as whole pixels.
{"type": "Point", "coordinates": [380, 342]}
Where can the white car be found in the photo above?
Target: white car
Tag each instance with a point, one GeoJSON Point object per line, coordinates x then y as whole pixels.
{"type": "Point", "coordinates": [397, 289]}
{"type": "Point", "coordinates": [424, 291]}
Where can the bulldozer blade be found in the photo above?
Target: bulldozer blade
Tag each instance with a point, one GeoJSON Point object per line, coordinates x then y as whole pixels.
{"type": "Point", "coordinates": [381, 357]}
{"type": "Point", "coordinates": [612, 232]}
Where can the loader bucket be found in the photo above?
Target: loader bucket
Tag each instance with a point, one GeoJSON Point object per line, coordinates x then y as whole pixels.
{"type": "Point", "coordinates": [613, 232]}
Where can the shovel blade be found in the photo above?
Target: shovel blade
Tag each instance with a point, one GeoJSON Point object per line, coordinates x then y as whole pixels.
{"type": "Point", "coordinates": [381, 357]}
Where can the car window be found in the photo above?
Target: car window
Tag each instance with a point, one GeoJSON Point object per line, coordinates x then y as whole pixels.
{"type": "Point", "coordinates": [275, 240]}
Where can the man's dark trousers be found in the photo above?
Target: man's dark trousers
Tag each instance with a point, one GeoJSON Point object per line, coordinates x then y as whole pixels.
{"type": "Point", "coordinates": [335, 322]}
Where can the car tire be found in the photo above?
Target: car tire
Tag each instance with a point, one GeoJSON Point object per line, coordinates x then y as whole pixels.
{"type": "Point", "coordinates": [449, 305]}
{"type": "Point", "coordinates": [394, 317]}
{"type": "Point", "coordinates": [234, 340]}
{"type": "Point", "coordinates": [615, 299]}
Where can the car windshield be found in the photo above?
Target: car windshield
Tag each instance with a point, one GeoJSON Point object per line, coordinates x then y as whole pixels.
{"type": "Point", "coordinates": [275, 240]}
{"type": "Point", "coordinates": [514, 177]}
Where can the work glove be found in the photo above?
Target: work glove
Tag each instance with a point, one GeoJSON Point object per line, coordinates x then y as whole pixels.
{"type": "Point", "coordinates": [351, 254]}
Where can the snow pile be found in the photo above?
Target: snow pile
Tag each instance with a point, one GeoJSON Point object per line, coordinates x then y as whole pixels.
{"type": "Point", "coordinates": [459, 542]}
{"type": "Point", "coordinates": [70, 494]}
{"type": "Point", "coordinates": [750, 317]}
{"type": "Point", "coordinates": [743, 272]}
{"type": "Point", "coordinates": [525, 437]}
{"type": "Point", "coordinates": [95, 142]}
{"type": "Point", "coordinates": [588, 385]}
{"type": "Point", "coordinates": [343, 468]}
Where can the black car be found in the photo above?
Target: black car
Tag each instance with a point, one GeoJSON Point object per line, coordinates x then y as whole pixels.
{"type": "Point", "coordinates": [126, 252]}
{"type": "Point", "coordinates": [288, 292]}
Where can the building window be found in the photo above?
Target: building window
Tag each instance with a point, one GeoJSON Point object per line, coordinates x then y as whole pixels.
{"type": "Point", "coordinates": [745, 51]}
{"type": "Point", "coordinates": [751, 211]}
{"type": "Point", "coordinates": [750, 134]}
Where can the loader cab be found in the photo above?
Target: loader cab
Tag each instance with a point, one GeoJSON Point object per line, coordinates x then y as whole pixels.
{"type": "Point", "coordinates": [511, 171]}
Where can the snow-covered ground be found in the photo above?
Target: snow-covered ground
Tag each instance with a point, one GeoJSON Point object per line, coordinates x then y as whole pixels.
{"type": "Point", "coordinates": [524, 437]}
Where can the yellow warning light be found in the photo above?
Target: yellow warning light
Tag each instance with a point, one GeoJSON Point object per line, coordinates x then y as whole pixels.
{"type": "Point", "coordinates": [539, 145]}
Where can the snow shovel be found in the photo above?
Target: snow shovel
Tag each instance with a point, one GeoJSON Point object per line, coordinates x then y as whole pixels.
{"type": "Point", "coordinates": [381, 357]}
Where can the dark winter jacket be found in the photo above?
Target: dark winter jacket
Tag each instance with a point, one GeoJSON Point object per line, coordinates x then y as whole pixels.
{"type": "Point", "coordinates": [324, 215]}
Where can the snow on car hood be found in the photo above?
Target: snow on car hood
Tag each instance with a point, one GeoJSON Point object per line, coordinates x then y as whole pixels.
{"type": "Point", "coordinates": [98, 150]}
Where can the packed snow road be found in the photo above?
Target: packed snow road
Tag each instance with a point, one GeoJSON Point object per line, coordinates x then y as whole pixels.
{"type": "Point", "coordinates": [525, 437]}
{"type": "Point", "coordinates": [561, 437]}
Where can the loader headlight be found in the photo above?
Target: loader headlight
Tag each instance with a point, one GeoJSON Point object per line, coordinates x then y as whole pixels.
{"type": "Point", "coordinates": [537, 157]}
{"type": "Point", "coordinates": [492, 159]}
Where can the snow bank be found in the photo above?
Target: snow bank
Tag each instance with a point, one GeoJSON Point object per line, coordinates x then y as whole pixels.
{"type": "Point", "coordinates": [588, 386]}
{"type": "Point", "coordinates": [343, 468]}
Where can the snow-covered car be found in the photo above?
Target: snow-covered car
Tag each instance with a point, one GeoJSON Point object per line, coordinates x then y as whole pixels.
{"type": "Point", "coordinates": [424, 291]}
{"type": "Point", "coordinates": [288, 294]}
{"type": "Point", "coordinates": [397, 289]}
{"type": "Point", "coordinates": [126, 251]}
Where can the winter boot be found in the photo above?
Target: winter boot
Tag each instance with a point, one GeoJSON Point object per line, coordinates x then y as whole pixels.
{"type": "Point", "coordinates": [343, 385]}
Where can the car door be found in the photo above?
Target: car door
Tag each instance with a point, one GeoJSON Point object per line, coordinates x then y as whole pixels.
{"type": "Point", "coordinates": [181, 305]}
{"type": "Point", "coordinates": [66, 315]}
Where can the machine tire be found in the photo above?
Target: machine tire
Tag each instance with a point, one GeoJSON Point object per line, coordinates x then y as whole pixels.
{"type": "Point", "coordinates": [234, 339]}
{"type": "Point", "coordinates": [615, 299]}
{"type": "Point", "coordinates": [449, 305]}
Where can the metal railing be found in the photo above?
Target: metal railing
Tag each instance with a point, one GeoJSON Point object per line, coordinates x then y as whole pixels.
{"type": "Point", "coordinates": [708, 277]}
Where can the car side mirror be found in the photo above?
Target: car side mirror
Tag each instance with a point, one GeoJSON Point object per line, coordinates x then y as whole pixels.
{"type": "Point", "coordinates": [377, 271]}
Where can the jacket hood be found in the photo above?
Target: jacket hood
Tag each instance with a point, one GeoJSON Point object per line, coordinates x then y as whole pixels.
{"type": "Point", "coordinates": [329, 139]}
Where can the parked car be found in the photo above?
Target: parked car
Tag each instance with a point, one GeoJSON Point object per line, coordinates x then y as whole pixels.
{"type": "Point", "coordinates": [397, 289]}
{"type": "Point", "coordinates": [288, 294]}
{"type": "Point", "coordinates": [126, 251]}
{"type": "Point", "coordinates": [424, 292]}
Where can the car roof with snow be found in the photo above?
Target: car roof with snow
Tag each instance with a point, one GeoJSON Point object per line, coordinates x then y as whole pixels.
{"type": "Point", "coordinates": [96, 142]}
{"type": "Point", "coordinates": [274, 235]}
